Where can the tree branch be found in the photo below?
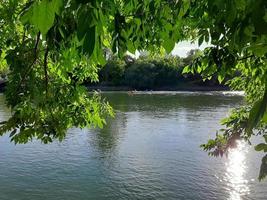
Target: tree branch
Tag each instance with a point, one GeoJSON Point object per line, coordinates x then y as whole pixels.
{"type": "Point", "coordinates": [35, 55]}
{"type": "Point", "coordinates": [45, 70]}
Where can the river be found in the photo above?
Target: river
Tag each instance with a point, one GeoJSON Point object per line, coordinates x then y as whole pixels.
{"type": "Point", "coordinates": [150, 150]}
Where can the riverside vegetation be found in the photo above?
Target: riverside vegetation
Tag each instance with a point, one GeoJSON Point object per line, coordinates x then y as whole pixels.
{"type": "Point", "coordinates": [150, 72]}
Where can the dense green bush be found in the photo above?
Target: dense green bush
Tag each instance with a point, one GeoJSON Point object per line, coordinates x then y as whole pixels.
{"type": "Point", "coordinates": [141, 75]}
{"type": "Point", "coordinates": [169, 71]}
{"type": "Point", "coordinates": [113, 72]}
{"type": "Point", "coordinates": [148, 74]}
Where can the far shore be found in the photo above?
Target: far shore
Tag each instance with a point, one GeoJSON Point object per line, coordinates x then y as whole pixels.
{"type": "Point", "coordinates": [190, 88]}
{"type": "Point", "coordinates": [185, 87]}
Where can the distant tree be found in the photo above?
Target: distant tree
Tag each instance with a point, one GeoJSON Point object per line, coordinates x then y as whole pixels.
{"type": "Point", "coordinates": [113, 71]}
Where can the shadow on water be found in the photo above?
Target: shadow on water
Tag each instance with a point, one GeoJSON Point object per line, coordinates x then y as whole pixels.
{"type": "Point", "coordinates": [105, 140]}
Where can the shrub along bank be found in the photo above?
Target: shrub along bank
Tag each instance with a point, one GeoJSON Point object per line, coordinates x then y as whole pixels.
{"type": "Point", "coordinates": [148, 73]}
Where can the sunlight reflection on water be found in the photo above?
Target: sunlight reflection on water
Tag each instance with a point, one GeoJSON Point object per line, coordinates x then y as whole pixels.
{"type": "Point", "coordinates": [235, 172]}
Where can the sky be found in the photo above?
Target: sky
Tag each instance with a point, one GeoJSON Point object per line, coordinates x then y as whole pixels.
{"type": "Point", "coordinates": [182, 48]}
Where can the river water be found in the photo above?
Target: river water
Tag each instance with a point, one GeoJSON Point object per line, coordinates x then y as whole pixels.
{"type": "Point", "coordinates": [150, 150]}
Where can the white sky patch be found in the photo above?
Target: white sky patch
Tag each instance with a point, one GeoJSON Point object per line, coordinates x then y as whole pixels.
{"type": "Point", "coordinates": [182, 48]}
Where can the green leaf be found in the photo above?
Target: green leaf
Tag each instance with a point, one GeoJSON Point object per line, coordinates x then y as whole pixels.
{"type": "Point", "coordinates": [57, 6]}
{"type": "Point", "coordinates": [259, 49]}
{"type": "Point", "coordinates": [199, 69]}
{"type": "Point", "coordinates": [43, 16]}
{"type": "Point", "coordinates": [89, 41]}
{"type": "Point", "coordinates": [263, 169]}
{"type": "Point", "coordinates": [220, 78]}
{"type": "Point", "coordinates": [86, 20]}
{"type": "Point", "coordinates": [241, 4]}
{"type": "Point", "coordinates": [185, 6]}
{"type": "Point", "coordinates": [264, 118]}
{"type": "Point", "coordinates": [130, 47]}
{"type": "Point", "coordinates": [13, 133]}
{"type": "Point", "coordinates": [168, 45]}
{"type": "Point", "coordinates": [83, 24]}
{"type": "Point", "coordinates": [27, 16]}
{"type": "Point", "coordinates": [186, 70]}
{"type": "Point", "coordinates": [257, 112]}
{"type": "Point", "coordinates": [261, 147]}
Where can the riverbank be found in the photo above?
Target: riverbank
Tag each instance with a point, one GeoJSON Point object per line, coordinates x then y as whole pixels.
{"type": "Point", "coordinates": [165, 88]}
{"type": "Point", "coordinates": [185, 87]}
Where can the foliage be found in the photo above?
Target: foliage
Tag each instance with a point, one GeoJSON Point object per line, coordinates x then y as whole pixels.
{"type": "Point", "coordinates": [238, 35]}
{"type": "Point", "coordinates": [51, 46]}
{"type": "Point", "coordinates": [141, 76]}
{"type": "Point", "coordinates": [3, 66]}
{"type": "Point", "coordinates": [149, 73]}
{"type": "Point", "coordinates": [47, 68]}
{"type": "Point", "coordinates": [113, 71]}
{"type": "Point", "coordinates": [146, 72]}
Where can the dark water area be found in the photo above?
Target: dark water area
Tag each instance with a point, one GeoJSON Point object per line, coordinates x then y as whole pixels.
{"type": "Point", "coordinates": [150, 150]}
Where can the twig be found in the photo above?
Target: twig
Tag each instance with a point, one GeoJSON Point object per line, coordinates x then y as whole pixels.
{"type": "Point", "coordinates": [35, 55]}
{"type": "Point", "coordinates": [24, 35]}
{"type": "Point", "coordinates": [45, 70]}
{"type": "Point", "coordinates": [35, 52]}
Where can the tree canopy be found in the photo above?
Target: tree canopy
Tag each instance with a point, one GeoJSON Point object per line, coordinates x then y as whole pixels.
{"type": "Point", "coordinates": [52, 46]}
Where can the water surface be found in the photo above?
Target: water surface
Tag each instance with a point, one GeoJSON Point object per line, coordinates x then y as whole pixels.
{"type": "Point", "coordinates": [149, 151]}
